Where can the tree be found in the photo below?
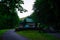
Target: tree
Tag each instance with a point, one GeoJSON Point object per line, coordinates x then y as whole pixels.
{"type": "Point", "coordinates": [8, 15]}
{"type": "Point", "coordinates": [47, 12]}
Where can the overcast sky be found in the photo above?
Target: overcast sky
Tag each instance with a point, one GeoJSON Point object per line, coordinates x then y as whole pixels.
{"type": "Point", "coordinates": [28, 4]}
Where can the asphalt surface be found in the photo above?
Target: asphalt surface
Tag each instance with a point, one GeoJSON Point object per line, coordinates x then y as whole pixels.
{"type": "Point", "coordinates": [11, 35]}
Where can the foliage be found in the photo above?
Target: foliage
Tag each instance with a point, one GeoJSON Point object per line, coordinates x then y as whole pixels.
{"type": "Point", "coordinates": [12, 4]}
{"type": "Point", "coordinates": [3, 31]}
{"type": "Point", "coordinates": [8, 15]}
{"type": "Point", "coordinates": [47, 12]}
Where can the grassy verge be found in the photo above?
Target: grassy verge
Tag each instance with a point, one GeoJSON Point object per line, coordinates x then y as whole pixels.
{"type": "Point", "coordinates": [34, 35]}
{"type": "Point", "coordinates": [2, 32]}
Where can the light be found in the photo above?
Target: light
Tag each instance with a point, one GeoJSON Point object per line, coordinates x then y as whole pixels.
{"type": "Point", "coordinates": [28, 5]}
{"type": "Point", "coordinates": [0, 0]}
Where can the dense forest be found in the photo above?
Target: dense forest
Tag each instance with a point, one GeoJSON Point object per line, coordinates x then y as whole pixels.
{"type": "Point", "coordinates": [8, 14]}
{"type": "Point", "coordinates": [47, 12]}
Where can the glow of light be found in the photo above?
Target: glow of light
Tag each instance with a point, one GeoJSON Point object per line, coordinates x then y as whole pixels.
{"type": "Point", "coordinates": [28, 5]}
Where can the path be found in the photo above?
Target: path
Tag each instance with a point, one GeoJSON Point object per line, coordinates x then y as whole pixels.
{"type": "Point", "coordinates": [11, 35]}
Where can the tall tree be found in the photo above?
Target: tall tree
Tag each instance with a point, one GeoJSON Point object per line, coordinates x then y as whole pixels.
{"type": "Point", "coordinates": [48, 12]}
{"type": "Point", "coordinates": [8, 14]}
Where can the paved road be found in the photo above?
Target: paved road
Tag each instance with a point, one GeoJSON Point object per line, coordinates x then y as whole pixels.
{"type": "Point", "coordinates": [11, 35]}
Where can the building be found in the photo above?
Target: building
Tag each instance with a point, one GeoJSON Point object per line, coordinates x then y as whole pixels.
{"type": "Point", "coordinates": [28, 23]}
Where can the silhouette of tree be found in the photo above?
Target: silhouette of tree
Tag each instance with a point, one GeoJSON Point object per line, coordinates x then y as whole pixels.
{"type": "Point", "coordinates": [8, 14]}
{"type": "Point", "coordinates": [47, 12]}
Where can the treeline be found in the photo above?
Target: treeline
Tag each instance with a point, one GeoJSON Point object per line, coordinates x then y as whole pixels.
{"type": "Point", "coordinates": [47, 12]}
{"type": "Point", "coordinates": [8, 14]}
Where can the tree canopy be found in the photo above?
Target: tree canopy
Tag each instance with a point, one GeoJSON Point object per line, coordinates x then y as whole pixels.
{"type": "Point", "coordinates": [47, 12]}
{"type": "Point", "coordinates": [8, 14]}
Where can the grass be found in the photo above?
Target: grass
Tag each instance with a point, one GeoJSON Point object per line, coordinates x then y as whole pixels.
{"type": "Point", "coordinates": [2, 32]}
{"type": "Point", "coordinates": [35, 35]}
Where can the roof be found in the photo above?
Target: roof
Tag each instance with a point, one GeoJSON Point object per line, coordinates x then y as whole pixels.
{"type": "Point", "coordinates": [28, 19]}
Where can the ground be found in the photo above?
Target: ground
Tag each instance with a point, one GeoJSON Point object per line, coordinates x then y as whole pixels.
{"type": "Point", "coordinates": [28, 35]}
{"type": "Point", "coordinates": [12, 35]}
{"type": "Point", "coordinates": [35, 35]}
{"type": "Point", "coordinates": [2, 32]}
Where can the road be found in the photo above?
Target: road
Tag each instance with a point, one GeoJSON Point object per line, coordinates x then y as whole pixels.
{"type": "Point", "coordinates": [11, 35]}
